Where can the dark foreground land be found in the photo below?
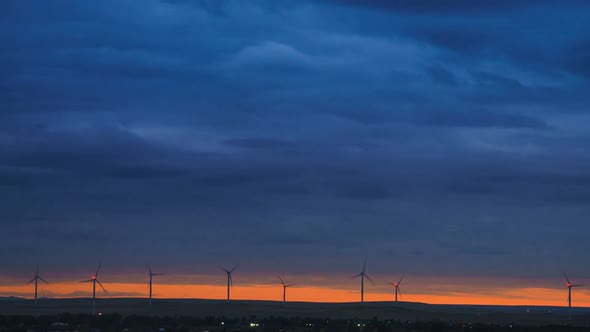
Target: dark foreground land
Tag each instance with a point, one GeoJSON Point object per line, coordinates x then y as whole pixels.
{"type": "Point", "coordinates": [210, 315]}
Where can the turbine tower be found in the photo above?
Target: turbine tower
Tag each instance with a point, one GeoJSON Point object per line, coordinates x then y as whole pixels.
{"type": "Point", "coordinates": [151, 277]}
{"type": "Point", "coordinates": [285, 289]}
{"type": "Point", "coordinates": [36, 280]}
{"type": "Point", "coordinates": [396, 286]}
{"type": "Point", "coordinates": [363, 275]}
{"type": "Point", "coordinates": [569, 294]}
{"type": "Point", "coordinates": [94, 280]}
{"type": "Point", "coordinates": [229, 280]}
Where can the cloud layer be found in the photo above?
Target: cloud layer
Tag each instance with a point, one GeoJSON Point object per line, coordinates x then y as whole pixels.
{"type": "Point", "coordinates": [436, 137]}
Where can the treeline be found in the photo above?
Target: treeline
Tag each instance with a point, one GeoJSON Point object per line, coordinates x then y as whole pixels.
{"type": "Point", "coordinates": [132, 323]}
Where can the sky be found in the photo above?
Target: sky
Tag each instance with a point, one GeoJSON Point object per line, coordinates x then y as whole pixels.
{"type": "Point", "coordinates": [444, 140]}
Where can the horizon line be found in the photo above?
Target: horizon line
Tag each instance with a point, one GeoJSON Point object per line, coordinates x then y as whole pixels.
{"type": "Point", "coordinates": [19, 298]}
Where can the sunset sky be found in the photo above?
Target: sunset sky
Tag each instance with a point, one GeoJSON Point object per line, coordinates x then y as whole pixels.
{"type": "Point", "coordinates": [333, 288]}
{"type": "Point", "coordinates": [444, 140]}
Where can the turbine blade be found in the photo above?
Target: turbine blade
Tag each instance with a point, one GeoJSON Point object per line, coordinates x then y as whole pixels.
{"type": "Point", "coordinates": [30, 282]}
{"type": "Point", "coordinates": [366, 275]}
{"type": "Point", "coordinates": [89, 280]}
{"type": "Point", "coordinates": [221, 267]}
{"type": "Point", "coordinates": [358, 275]}
{"type": "Point", "coordinates": [281, 279]}
{"type": "Point", "coordinates": [365, 264]}
{"type": "Point", "coordinates": [231, 281]}
{"type": "Point", "coordinates": [97, 270]}
{"type": "Point", "coordinates": [399, 291]}
{"type": "Point", "coordinates": [290, 285]}
{"type": "Point", "coordinates": [566, 278]}
{"type": "Point", "coordinates": [37, 270]}
{"type": "Point", "coordinates": [101, 286]}
{"type": "Point", "coordinates": [235, 267]}
{"type": "Point", "coordinates": [400, 279]}
{"type": "Point", "coordinates": [42, 280]}
{"type": "Point", "coordinates": [578, 285]}
{"type": "Point", "coordinates": [157, 274]}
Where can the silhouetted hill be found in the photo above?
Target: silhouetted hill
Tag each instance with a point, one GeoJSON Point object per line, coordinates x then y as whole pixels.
{"type": "Point", "coordinates": [11, 298]}
{"type": "Point", "coordinates": [403, 311]}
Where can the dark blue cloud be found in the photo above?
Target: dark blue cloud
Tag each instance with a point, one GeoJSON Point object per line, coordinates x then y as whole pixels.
{"type": "Point", "coordinates": [152, 129]}
{"type": "Point", "coordinates": [440, 75]}
{"type": "Point", "coordinates": [579, 59]}
{"type": "Point", "coordinates": [450, 6]}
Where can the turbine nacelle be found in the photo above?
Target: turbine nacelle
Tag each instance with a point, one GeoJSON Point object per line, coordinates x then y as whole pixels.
{"type": "Point", "coordinates": [94, 279]}
{"type": "Point", "coordinates": [364, 275]}
{"type": "Point", "coordinates": [152, 274]}
{"type": "Point", "coordinates": [396, 287]}
{"type": "Point", "coordinates": [35, 280]}
{"type": "Point", "coordinates": [230, 281]}
{"type": "Point", "coordinates": [397, 284]}
{"type": "Point", "coordinates": [569, 283]}
{"type": "Point", "coordinates": [229, 272]}
{"type": "Point", "coordinates": [284, 284]}
{"type": "Point", "coordinates": [569, 295]}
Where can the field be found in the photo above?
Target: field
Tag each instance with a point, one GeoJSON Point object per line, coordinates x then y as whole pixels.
{"type": "Point", "coordinates": [502, 315]}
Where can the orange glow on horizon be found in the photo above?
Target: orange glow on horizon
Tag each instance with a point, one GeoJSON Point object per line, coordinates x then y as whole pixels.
{"type": "Point", "coordinates": [518, 296]}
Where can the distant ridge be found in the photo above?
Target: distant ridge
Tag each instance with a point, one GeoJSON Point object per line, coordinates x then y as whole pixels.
{"type": "Point", "coordinates": [11, 298]}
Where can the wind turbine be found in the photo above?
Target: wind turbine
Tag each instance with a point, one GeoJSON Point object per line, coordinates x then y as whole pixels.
{"type": "Point", "coordinates": [151, 276]}
{"type": "Point", "coordinates": [94, 280]}
{"type": "Point", "coordinates": [396, 286]}
{"type": "Point", "coordinates": [285, 289]}
{"type": "Point", "coordinates": [36, 280]}
{"type": "Point", "coordinates": [229, 279]}
{"type": "Point", "coordinates": [569, 293]}
{"type": "Point", "coordinates": [363, 275]}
